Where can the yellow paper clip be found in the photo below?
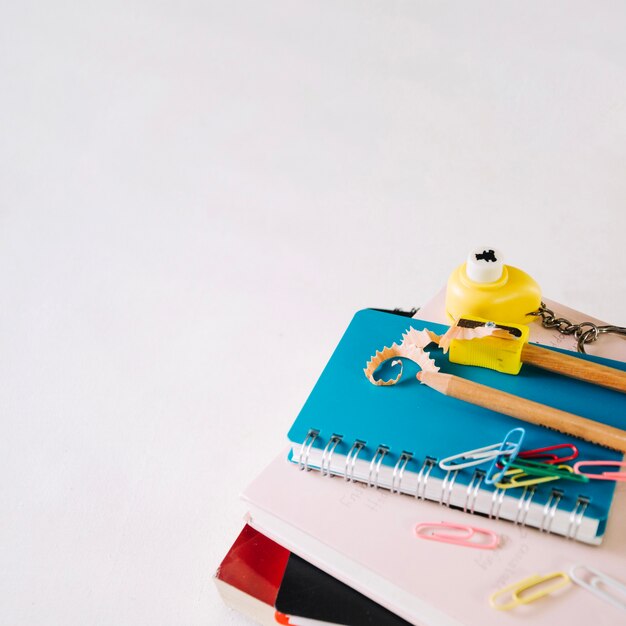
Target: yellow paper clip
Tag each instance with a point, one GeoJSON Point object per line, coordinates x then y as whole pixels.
{"type": "Point", "coordinates": [518, 478]}
{"type": "Point", "coordinates": [518, 591]}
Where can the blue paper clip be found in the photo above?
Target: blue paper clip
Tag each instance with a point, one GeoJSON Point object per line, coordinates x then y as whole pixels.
{"type": "Point", "coordinates": [494, 475]}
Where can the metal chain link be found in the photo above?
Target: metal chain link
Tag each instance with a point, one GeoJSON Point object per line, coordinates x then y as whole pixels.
{"type": "Point", "coordinates": [585, 332]}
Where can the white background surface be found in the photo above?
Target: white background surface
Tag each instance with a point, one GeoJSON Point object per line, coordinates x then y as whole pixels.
{"type": "Point", "coordinates": [195, 198]}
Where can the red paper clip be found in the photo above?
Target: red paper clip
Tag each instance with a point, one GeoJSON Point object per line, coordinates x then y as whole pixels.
{"type": "Point", "coordinates": [428, 530]}
{"type": "Point", "coordinates": [540, 454]}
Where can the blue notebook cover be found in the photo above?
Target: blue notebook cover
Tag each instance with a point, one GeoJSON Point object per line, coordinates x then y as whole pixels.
{"type": "Point", "coordinates": [412, 417]}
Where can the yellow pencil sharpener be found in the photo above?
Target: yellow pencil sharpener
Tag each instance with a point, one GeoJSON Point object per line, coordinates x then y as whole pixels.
{"type": "Point", "coordinates": [500, 351]}
{"type": "Point", "coordinates": [487, 288]}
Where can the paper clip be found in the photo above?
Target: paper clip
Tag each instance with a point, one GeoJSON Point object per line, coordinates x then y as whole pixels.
{"type": "Point", "coordinates": [538, 476]}
{"type": "Point", "coordinates": [617, 476]}
{"type": "Point", "coordinates": [475, 457]}
{"type": "Point", "coordinates": [492, 475]}
{"type": "Point", "coordinates": [428, 530]}
{"type": "Point", "coordinates": [541, 454]}
{"type": "Point", "coordinates": [519, 478]}
{"type": "Point", "coordinates": [517, 589]}
{"type": "Point", "coordinates": [537, 468]}
{"type": "Point", "coordinates": [597, 581]}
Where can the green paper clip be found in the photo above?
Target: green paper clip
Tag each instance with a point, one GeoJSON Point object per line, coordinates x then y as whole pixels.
{"type": "Point", "coordinates": [537, 468]}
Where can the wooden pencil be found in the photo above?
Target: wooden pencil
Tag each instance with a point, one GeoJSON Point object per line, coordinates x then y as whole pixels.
{"type": "Point", "coordinates": [527, 410]}
{"type": "Point", "coordinates": [574, 367]}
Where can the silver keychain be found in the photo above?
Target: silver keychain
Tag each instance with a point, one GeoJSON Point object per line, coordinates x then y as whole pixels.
{"type": "Point", "coordinates": [585, 332]}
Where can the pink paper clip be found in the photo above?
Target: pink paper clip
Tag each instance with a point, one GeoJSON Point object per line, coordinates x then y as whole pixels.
{"type": "Point", "coordinates": [542, 454]}
{"type": "Point", "coordinates": [617, 476]}
{"type": "Point", "coordinates": [428, 530]}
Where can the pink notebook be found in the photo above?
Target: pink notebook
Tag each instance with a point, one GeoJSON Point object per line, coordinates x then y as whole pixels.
{"type": "Point", "coordinates": [366, 539]}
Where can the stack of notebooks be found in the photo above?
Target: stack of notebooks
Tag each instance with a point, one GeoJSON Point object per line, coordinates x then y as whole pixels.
{"type": "Point", "coordinates": [330, 535]}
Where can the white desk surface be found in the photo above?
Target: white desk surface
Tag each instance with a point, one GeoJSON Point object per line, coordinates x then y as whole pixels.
{"type": "Point", "coordinates": [194, 199]}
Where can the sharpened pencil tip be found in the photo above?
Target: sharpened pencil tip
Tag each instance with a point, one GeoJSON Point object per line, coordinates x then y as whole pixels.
{"type": "Point", "coordinates": [435, 380]}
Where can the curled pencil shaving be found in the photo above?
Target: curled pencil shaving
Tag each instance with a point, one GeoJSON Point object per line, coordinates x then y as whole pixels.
{"type": "Point", "coordinates": [459, 332]}
{"type": "Point", "coordinates": [419, 338]}
{"type": "Point", "coordinates": [397, 351]}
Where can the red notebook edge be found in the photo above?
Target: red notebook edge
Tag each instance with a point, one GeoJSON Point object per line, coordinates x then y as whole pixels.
{"type": "Point", "coordinates": [249, 576]}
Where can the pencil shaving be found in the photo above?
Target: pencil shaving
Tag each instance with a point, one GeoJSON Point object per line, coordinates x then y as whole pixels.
{"type": "Point", "coordinates": [419, 338]}
{"type": "Point", "coordinates": [459, 332]}
{"type": "Point", "coordinates": [398, 352]}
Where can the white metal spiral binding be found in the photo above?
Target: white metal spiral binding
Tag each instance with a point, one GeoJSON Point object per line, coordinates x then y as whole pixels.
{"type": "Point", "coordinates": [305, 449]}
{"type": "Point", "coordinates": [447, 485]}
{"type": "Point", "coordinates": [496, 503]}
{"type": "Point", "coordinates": [375, 464]}
{"type": "Point", "coordinates": [549, 511]}
{"type": "Point", "coordinates": [351, 457]}
{"type": "Point", "coordinates": [472, 491]}
{"type": "Point", "coordinates": [398, 472]}
{"type": "Point", "coordinates": [422, 478]}
{"type": "Point", "coordinates": [327, 455]}
{"type": "Point", "coordinates": [576, 517]}
{"type": "Point", "coordinates": [523, 505]}
{"type": "Point", "coordinates": [524, 501]}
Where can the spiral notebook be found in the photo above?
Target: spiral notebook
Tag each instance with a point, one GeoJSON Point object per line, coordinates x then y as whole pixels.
{"type": "Point", "coordinates": [393, 437]}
